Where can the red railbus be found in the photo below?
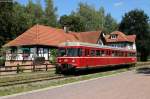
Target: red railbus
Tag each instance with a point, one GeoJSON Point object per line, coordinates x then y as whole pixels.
{"type": "Point", "coordinates": [77, 55]}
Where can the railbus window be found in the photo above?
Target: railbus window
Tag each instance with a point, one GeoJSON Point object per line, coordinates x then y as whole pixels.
{"type": "Point", "coordinates": [107, 52]}
{"type": "Point", "coordinates": [98, 53]}
{"type": "Point", "coordinates": [121, 53]}
{"type": "Point", "coordinates": [86, 52]}
{"type": "Point", "coordinates": [79, 52]}
{"type": "Point", "coordinates": [103, 53]}
{"type": "Point", "coordinates": [113, 53]}
{"type": "Point", "coordinates": [116, 53]}
{"type": "Point", "coordinates": [134, 54]}
{"type": "Point", "coordinates": [83, 52]}
{"type": "Point", "coordinates": [128, 54]}
{"type": "Point", "coordinates": [92, 53]}
{"type": "Point", "coordinates": [125, 54]}
{"type": "Point", "coordinates": [131, 54]}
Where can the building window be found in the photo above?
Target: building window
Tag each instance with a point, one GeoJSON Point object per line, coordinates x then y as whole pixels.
{"type": "Point", "coordinates": [40, 51]}
{"type": "Point", "coordinates": [13, 53]}
{"type": "Point", "coordinates": [26, 53]}
{"type": "Point", "coordinates": [114, 36]}
{"type": "Point", "coordinates": [45, 51]}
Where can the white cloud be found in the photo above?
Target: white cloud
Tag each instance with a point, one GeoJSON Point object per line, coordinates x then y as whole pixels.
{"type": "Point", "coordinates": [117, 4]}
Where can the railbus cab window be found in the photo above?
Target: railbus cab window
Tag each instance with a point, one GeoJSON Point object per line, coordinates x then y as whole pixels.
{"type": "Point", "coordinates": [62, 52]}
{"type": "Point", "coordinates": [70, 52]}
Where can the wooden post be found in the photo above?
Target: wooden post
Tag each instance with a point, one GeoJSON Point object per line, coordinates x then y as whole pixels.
{"type": "Point", "coordinates": [33, 67]}
{"type": "Point", "coordinates": [0, 71]}
{"type": "Point", "coordinates": [18, 68]}
{"type": "Point", "coordinates": [46, 67]}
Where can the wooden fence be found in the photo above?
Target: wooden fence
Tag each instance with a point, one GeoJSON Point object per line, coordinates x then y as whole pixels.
{"type": "Point", "coordinates": [25, 68]}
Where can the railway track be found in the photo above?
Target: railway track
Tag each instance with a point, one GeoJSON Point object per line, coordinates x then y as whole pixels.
{"type": "Point", "coordinates": [18, 82]}
{"type": "Point", "coordinates": [37, 79]}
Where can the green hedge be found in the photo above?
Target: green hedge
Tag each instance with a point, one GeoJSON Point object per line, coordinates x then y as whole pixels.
{"type": "Point", "coordinates": [2, 61]}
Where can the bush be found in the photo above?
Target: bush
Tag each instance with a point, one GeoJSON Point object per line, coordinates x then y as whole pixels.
{"type": "Point", "coordinates": [53, 56]}
{"type": "Point", "coordinates": [2, 61]}
{"type": "Point", "coordinates": [2, 56]}
{"type": "Point", "coordinates": [53, 59]}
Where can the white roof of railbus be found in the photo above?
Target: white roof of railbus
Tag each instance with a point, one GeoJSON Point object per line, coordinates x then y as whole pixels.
{"type": "Point", "coordinates": [92, 45]}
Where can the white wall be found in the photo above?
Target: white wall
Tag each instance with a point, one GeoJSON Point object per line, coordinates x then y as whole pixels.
{"type": "Point", "coordinates": [19, 56]}
{"type": "Point", "coordinates": [123, 45]}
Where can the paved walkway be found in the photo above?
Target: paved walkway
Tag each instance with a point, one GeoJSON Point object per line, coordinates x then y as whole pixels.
{"type": "Point", "coordinates": [127, 85]}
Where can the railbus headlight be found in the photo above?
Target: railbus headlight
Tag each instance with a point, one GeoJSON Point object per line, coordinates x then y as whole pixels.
{"type": "Point", "coordinates": [59, 60]}
{"type": "Point", "coordinates": [73, 60]}
{"type": "Point", "coordinates": [65, 60]}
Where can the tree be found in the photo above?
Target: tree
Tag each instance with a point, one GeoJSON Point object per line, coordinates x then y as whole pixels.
{"type": "Point", "coordinates": [110, 24]}
{"type": "Point", "coordinates": [95, 19]}
{"type": "Point", "coordinates": [16, 18]}
{"type": "Point", "coordinates": [50, 17]}
{"type": "Point", "coordinates": [89, 16]}
{"type": "Point", "coordinates": [34, 13]}
{"type": "Point", "coordinates": [73, 22]}
{"type": "Point", "coordinates": [5, 21]}
{"type": "Point", "coordinates": [136, 22]}
{"type": "Point", "coordinates": [19, 20]}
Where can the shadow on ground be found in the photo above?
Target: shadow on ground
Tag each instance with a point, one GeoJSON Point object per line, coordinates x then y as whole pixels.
{"type": "Point", "coordinates": [96, 70]}
{"type": "Point", "coordinates": [144, 70]}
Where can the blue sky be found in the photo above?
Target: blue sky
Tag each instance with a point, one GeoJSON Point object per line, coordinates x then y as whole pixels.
{"type": "Point", "coordinates": [117, 8]}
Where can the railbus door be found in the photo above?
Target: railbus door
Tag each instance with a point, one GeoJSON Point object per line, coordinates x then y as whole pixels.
{"type": "Point", "coordinates": [92, 57]}
{"type": "Point", "coordinates": [87, 58]}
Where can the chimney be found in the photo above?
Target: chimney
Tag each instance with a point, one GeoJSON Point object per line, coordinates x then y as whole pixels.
{"type": "Point", "coordinates": [66, 29]}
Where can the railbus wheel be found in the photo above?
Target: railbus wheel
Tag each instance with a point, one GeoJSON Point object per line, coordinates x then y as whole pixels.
{"type": "Point", "coordinates": [58, 70]}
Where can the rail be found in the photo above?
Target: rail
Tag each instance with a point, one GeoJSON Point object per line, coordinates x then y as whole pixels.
{"type": "Point", "coordinates": [53, 76]}
{"type": "Point", "coordinates": [18, 82]}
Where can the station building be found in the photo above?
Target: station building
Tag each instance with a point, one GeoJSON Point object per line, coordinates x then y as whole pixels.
{"type": "Point", "coordinates": [120, 40]}
{"type": "Point", "coordinates": [40, 40]}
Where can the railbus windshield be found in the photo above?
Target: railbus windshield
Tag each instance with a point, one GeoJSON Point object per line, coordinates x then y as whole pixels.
{"type": "Point", "coordinates": [71, 52]}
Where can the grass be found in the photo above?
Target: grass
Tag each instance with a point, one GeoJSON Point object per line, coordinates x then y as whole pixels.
{"type": "Point", "coordinates": [25, 76]}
